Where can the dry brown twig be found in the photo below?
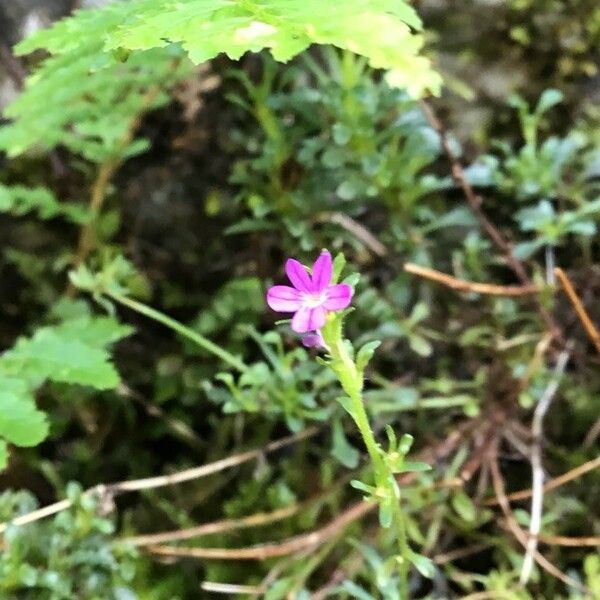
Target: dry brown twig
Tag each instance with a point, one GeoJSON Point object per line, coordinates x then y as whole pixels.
{"type": "Point", "coordinates": [293, 545]}
{"type": "Point", "coordinates": [99, 189]}
{"type": "Point", "coordinates": [359, 231]}
{"type": "Point", "coordinates": [317, 537]}
{"type": "Point", "coordinates": [106, 492]}
{"type": "Point", "coordinates": [592, 435]}
{"type": "Point", "coordinates": [520, 535]}
{"type": "Point", "coordinates": [230, 588]}
{"type": "Point", "coordinates": [537, 486]}
{"type": "Point", "coordinates": [468, 286]}
{"type": "Point", "coordinates": [475, 203]}
{"type": "Point", "coordinates": [255, 520]}
{"type": "Point", "coordinates": [553, 484]}
{"type": "Point", "coordinates": [458, 553]}
{"type": "Point", "coordinates": [587, 323]}
{"type": "Point", "coordinates": [572, 542]}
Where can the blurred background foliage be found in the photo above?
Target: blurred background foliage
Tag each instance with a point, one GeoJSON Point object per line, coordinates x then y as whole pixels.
{"type": "Point", "coordinates": [210, 177]}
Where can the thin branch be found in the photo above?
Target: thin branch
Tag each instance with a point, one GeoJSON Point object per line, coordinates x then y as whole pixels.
{"type": "Point", "coordinates": [515, 529]}
{"type": "Point", "coordinates": [306, 541]}
{"type": "Point", "coordinates": [255, 520]}
{"type": "Point", "coordinates": [552, 484]}
{"type": "Point", "coordinates": [495, 595]}
{"type": "Point", "coordinates": [110, 490]}
{"type": "Point", "coordinates": [573, 542]}
{"type": "Point", "coordinates": [537, 486]}
{"type": "Point", "coordinates": [458, 553]}
{"type": "Point", "coordinates": [468, 286]}
{"type": "Point", "coordinates": [353, 564]}
{"type": "Point", "coordinates": [536, 362]}
{"type": "Point", "coordinates": [99, 190]}
{"type": "Point", "coordinates": [359, 231]}
{"type": "Point", "coordinates": [178, 427]}
{"type": "Point", "coordinates": [179, 328]}
{"type": "Point", "coordinates": [230, 588]}
{"type": "Point", "coordinates": [97, 197]}
{"type": "Point", "coordinates": [475, 202]}
{"type": "Point", "coordinates": [309, 541]}
{"type": "Point", "coordinates": [592, 435]}
{"type": "Point", "coordinates": [587, 323]}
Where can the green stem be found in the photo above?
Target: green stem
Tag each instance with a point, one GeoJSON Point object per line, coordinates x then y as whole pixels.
{"type": "Point", "coordinates": [352, 382]}
{"type": "Point", "coordinates": [403, 547]}
{"type": "Point", "coordinates": [191, 335]}
{"type": "Point", "coordinates": [353, 387]}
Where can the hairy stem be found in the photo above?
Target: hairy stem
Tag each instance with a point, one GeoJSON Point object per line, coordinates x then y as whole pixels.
{"type": "Point", "coordinates": [352, 380]}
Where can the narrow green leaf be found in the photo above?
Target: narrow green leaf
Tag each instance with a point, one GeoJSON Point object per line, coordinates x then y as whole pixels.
{"type": "Point", "coordinates": [342, 449]}
{"type": "Point", "coordinates": [464, 506]}
{"type": "Point", "coordinates": [424, 565]}
{"type": "Point", "coordinates": [365, 354]}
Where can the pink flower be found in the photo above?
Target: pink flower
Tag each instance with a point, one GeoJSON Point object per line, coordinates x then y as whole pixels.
{"type": "Point", "coordinates": [311, 297]}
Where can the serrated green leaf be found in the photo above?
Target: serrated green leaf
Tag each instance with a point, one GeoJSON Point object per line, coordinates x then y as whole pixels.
{"type": "Point", "coordinates": [377, 29]}
{"type": "Point", "coordinates": [72, 352]}
{"type": "Point", "coordinates": [19, 200]}
{"type": "Point", "coordinates": [81, 96]}
{"type": "Point", "coordinates": [50, 355]}
{"type": "Point", "coordinates": [20, 421]}
{"type": "Point", "coordinates": [94, 331]}
{"type": "Point", "coordinates": [108, 65]}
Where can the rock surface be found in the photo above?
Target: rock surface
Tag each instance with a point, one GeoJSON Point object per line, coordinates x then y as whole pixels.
{"type": "Point", "coordinates": [18, 19]}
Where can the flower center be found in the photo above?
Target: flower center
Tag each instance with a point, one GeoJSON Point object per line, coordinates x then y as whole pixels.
{"type": "Point", "coordinates": [314, 300]}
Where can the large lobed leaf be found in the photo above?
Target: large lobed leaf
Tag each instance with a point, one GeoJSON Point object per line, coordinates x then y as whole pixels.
{"type": "Point", "coordinates": [86, 95]}
{"type": "Point", "coordinates": [20, 200]}
{"type": "Point", "coordinates": [20, 421]}
{"type": "Point", "coordinates": [74, 352]}
{"type": "Point", "coordinates": [380, 30]}
{"type": "Point", "coordinates": [81, 96]}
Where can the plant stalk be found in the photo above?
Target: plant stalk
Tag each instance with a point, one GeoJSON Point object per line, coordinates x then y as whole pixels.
{"type": "Point", "coordinates": [352, 381]}
{"type": "Point", "coordinates": [178, 327]}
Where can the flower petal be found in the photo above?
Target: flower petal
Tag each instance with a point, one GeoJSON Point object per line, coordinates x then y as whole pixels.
{"type": "Point", "coordinates": [309, 319]}
{"type": "Point", "coordinates": [283, 298]}
{"type": "Point", "coordinates": [322, 272]}
{"type": "Point", "coordinates": [313, 340]}
{"type": "Point", "coordinates": [338, 297]}
{"type": "Point", "coordinates": [298, 275]}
